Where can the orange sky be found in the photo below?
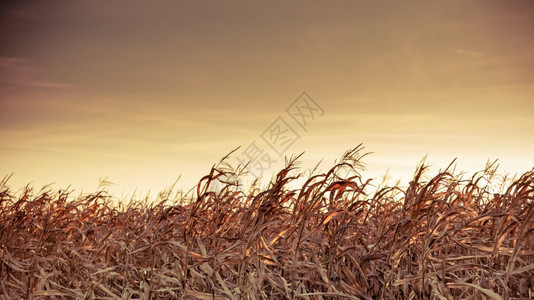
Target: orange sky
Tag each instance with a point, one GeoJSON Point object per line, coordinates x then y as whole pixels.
{"type": "Point", "coordinates": [142, 94]}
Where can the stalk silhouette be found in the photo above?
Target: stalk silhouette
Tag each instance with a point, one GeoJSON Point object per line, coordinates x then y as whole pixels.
{"type": "Point", "coordinates": [334, 237]}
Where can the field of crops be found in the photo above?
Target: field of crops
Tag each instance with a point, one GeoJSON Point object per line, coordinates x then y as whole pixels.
{"type": "Point", "coordinates": [338, 236]}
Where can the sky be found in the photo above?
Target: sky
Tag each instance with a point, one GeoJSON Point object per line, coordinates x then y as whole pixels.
{"type": "Point", "coordinates": [142, 94]}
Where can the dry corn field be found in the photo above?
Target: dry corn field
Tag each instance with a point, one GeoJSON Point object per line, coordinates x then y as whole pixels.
{"type": "Point", "coordinates": [338, 236]}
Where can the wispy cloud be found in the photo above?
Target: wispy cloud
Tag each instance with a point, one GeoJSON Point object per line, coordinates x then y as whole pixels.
{"type": "Point", "coordinates": [19, 71]}
{"type": "Point", "coordinates": [469, 53]}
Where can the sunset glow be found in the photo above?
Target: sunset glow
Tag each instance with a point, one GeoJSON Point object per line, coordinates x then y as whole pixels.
{"type": "Point", "coordinates": [143, 94]}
